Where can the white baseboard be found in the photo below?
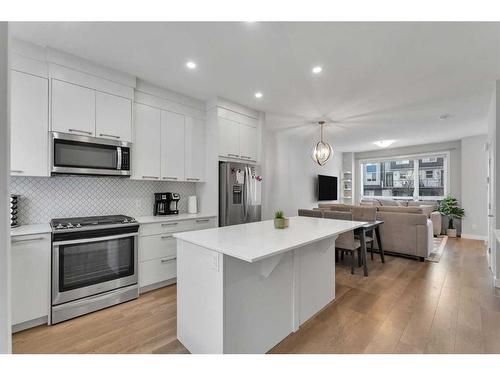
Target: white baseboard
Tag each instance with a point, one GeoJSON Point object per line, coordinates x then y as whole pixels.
{"type": "Point", "coordinates": [497, 282]}
{"type": "Point", "coordinates": [474, 237]}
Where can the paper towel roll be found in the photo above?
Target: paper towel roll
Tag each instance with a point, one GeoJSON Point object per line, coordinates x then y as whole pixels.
{"type": "Point", "coordinates": [192, 206]}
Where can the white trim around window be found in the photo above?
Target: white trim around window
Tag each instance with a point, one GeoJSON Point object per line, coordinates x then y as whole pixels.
{"type": "Point", "coordinates": [416, 195]}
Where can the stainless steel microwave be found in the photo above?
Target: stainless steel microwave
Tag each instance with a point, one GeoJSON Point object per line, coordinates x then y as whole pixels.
{"type": "Point", "coordinates": [77, 154]}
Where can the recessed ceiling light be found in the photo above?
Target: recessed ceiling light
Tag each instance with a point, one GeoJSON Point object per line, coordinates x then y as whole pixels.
{"type": "Point", "coordinates": [317, 69]}
{"type": "Point", "coordinates": [384, 143]}
{"type": "Point", "coordinates": [191, 65]}
{"type": "Point", "coordinates": [444, 116]}
{"type": "Point", "coordinates": [258, 95]}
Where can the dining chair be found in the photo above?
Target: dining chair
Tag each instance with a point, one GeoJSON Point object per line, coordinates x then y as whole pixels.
{"type": "Point", "coordinates": [368, 214]}
{"type": "Point", "coordinates": [345, 242]}
{"type": "Point", "coordinates": [310, 213]}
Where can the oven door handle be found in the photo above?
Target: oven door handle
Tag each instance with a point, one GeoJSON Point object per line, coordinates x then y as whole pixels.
{"type": "Point", "coordinates": [95, 239]}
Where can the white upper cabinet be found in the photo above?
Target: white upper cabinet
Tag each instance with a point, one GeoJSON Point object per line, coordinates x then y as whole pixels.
{"type": "Point", "coordinates": [248, 142]}
{"type": "Point", "coordinates": [172, 146]}
{"type": "Point", "coordinates": [237, 140]}
{"type": "Point", "coordinates": [113, 117]}
{"type": "Point", "coordinates": [29, 107]}
{"type": "Point", "coordinates": [229, 138]}
{"type": "Point", "coordinates": [195, 149]}
{"type": "Point", "coordinates": [146, 149]}
{"type": "Point", "coordinates": [73, 108]}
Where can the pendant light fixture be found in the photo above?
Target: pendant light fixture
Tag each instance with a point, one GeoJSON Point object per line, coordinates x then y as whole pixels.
{"type": "Point", "coordinates": [322, 151]}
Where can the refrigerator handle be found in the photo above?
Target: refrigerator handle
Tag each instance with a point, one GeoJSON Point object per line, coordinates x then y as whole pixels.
{"type": "Point", "coordinates": [246, 191]}
{"type": "Point", "coordinates": [228, 191]}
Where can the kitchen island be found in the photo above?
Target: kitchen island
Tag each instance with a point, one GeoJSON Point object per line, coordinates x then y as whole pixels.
{"type": "Point", "coordinates": [244, 288]}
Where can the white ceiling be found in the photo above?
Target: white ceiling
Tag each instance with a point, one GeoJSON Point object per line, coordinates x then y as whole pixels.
{"type": "Point", "coordinates": [379, 80]}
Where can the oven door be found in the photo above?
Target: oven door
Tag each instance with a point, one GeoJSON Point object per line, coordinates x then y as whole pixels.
{"type": "Point", "coordinates": [76, 154]}
{"type": "Point", "coordinates": [85, 267]}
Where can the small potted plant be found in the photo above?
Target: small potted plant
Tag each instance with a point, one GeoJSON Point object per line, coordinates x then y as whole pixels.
{"type": "Point", "coordinates": [280, 222]}
{"type": "Point", "coordinates": [449, 207]}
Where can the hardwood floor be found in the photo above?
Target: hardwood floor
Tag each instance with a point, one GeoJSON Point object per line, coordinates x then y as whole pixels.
{"type": "Point", "coordinates": [404, 306]}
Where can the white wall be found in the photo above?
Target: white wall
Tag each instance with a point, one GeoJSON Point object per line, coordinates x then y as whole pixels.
{"type": "Point", "coordinates": [290, 175]}
{"type": "Point", "coordinates": [474, 187]}
{"type": "Point", "coordinates": [5, 330]}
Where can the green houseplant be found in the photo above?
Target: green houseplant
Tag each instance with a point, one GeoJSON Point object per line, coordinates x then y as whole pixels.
{"type": "Point", "coordinates": [449, 207]}
{"type": "Point", "coordinates": [280, 222]}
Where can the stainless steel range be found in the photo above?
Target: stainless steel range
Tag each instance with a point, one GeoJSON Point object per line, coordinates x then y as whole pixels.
{"type": "Point", "coordinates": [94, 264]}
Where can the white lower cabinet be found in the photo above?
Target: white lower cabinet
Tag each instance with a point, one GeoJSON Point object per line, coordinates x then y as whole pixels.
{"type": "Point", "coordinates": [30, 278]}
{"type": "Point", "coordinates": [156, 271]}
{"type": "Point", "coordinates": [158, 249]}
{"type": "Point", "coordinates": [205, 223]}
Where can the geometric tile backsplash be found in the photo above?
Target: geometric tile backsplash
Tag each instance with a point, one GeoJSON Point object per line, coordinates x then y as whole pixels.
{"type": "Point", "coordinates": [44, 198]}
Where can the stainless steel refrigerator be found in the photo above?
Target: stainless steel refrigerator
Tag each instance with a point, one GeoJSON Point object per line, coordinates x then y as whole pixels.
{"type": "Point", "coordinates": [240, 187]}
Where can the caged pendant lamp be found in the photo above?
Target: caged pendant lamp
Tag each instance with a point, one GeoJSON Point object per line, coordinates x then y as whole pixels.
{"type": "Point", "coordinates": [322, 151]}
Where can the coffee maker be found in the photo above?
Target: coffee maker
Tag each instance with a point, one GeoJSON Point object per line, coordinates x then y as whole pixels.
{"type": "Point", "coordinates": [166, 204]}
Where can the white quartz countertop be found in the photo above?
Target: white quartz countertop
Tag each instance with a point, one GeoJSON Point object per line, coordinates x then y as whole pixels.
{"type": "Point", "coordinates": [256, 241]}
{"type": "Point", "coordinates": [165, 218]}
{"type": "Point", "coordinates": [25, 230]}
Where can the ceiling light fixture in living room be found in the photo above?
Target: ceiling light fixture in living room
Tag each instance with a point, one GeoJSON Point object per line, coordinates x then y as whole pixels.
{"type": "Point", "coordinates": [322, 151]}
{"type": "Point", "coordinates": [384, 143]}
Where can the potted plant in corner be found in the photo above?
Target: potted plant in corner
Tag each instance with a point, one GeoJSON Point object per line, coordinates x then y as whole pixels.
{"type": "Point", "coordinates": [280, 222]}
{"type": "Point", "coordinates": [449, 207]}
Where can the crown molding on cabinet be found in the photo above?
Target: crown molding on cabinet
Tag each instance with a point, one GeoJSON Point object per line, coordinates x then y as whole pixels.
{"type": "Point", "coordinates": [82, 65]}
{"type": "Point", "coordinates": [233, 107]}
{"type": "Point", "coordinates": [70, 75]}
{"type": "Point", "coordinates": [163, 93]}
{"type": "Point", "coordinates": [154, 96]}
{"type": "Point", "coordinates": [26, 53]}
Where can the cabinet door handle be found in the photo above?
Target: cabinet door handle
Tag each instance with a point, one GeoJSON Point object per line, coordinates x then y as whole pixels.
{"type": "Point", "coordinates": [16, 171]}
{"type": "Point", "coordinates": [79, 131]}
{"type": "Point", "coordinates": [153, 177]}
{"type": "Point", "coordinates": [170, 178]}
{"type": "Point", "coordinates": [236, 156]}
{"type": "Point", "coordinates": [192, 179]}
{"type": "Point", "coordinates": [165, 237]}
{"type": "Point", "coordinates": [202, 220]}
{"type": "Point", "coordinates": [109, 135]}
{"type": "Point", "coordinates": [28, 239]}
{"type": "Point", "coordinates": [168, 224]}
{"type": "Point", "coordinates": [166, 260]}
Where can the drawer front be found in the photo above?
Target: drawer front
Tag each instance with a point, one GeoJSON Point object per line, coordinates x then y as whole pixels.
{"type": "Point", "coordinates": [166, 227]}
{"type": "Point", "coordinates": [156, 270]}
{"type": "Point", "coordinates": [204, 223]}
{"type": "Point", "coordinates": [158, 246]}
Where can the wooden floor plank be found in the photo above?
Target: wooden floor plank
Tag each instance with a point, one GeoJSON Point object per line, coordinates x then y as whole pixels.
{"type": "Point", "coordinates": [404, 306]}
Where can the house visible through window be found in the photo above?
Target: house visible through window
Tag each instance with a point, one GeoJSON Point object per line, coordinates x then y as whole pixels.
{"type": "Point", "coordinates": [415, 177]}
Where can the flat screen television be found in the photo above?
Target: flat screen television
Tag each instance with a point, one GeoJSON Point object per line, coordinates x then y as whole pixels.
{"type": "Point", "coordinates": [327, 188]}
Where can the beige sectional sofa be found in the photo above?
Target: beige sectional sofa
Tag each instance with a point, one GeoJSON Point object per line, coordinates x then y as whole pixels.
{"type": "Point", "coordinates": [428, 207]}
{"type": "Point", "coordinates": [406, 230]}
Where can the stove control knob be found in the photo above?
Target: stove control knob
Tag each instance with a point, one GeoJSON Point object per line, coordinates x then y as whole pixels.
{"type": "Point", "coordinates": [78, 225]}
{"type": "Point", "coordinates": [69, 225]}
{"type": "Point", "coordinates": [60, 226]}
{"type": "Point", "coordinates": [125, 221]}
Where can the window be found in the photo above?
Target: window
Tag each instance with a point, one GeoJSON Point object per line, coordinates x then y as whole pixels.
{"type": "Point", "coordinates": [415, 177]}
